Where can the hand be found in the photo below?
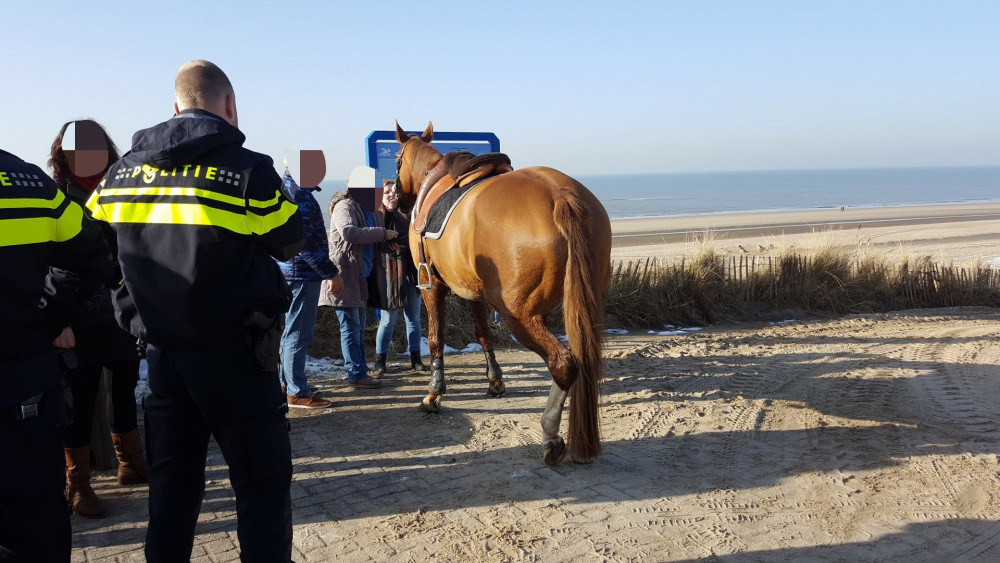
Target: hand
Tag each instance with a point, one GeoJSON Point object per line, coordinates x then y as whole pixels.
{"type": "Point", "coordinates": [336, 284]}
{"type": "Point", "coordinates": [66, 339]}
{"type": "Point", "coordinates": [390, 234]}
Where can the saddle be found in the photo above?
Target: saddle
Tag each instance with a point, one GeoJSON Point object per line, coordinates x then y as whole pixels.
{"type": "Point", "coordinates": [456, 169]}
{"type": "Point", "coordinates": [459, 169]}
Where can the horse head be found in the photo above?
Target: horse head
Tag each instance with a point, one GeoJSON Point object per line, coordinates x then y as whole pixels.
{"type": "Point", "coordinates": [415, 157]}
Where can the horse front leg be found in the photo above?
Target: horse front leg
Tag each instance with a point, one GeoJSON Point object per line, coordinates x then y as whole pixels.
{"type": "Point", "coordinates": [434, 299]}
{"type": "Point", "coordinates": [480, 312]}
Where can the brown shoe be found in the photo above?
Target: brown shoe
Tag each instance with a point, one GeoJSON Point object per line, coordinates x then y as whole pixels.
{"type": "Point", "coordinates": [79, 494]}
{"type": "Point", "coordinates": [308, 402]}
{"type": "Point", "coordinates": [131, 462]}
{"type": "Point", "coordinates": [366, 383]}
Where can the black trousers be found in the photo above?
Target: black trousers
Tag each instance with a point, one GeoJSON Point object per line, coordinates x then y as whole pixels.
{"type": "Point", "coordinates": [84, 382]}
{"type": "Point", "coordinates": [34, 522]}
{"type": "Point", "coordinates": [222, 393]}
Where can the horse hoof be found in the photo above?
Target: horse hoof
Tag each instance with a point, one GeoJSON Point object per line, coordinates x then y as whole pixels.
{"type": "Point", "coordinates": [554, 452]}
{"type": "Point", "coordinates": [430, 408]}
{"type": "Point", "coordinates": [496, 388]}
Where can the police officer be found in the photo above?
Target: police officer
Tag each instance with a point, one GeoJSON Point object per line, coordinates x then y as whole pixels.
{"type": "Point", "coordinates": [197, 220]}
{"type": "Point", "coordinates": [39, 228]}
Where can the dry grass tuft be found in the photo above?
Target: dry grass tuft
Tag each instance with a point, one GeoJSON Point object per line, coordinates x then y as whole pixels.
{"type": "Point", "coordinates": [714, 287]}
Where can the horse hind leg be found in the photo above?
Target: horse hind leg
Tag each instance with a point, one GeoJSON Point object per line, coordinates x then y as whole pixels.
{"type": "Point", "coordinates": [496, 386]}
{"type": "Point", "coordinates": [533, 333]}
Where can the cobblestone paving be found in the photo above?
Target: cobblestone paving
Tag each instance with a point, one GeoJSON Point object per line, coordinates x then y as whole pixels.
{"type": "Point", "coordinates": [825, 441]}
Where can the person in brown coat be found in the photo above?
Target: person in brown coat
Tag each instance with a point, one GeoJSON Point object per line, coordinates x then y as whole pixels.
{"type": "Point", "coordinates": [352, 229]}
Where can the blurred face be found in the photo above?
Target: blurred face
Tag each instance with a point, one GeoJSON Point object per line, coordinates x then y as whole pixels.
{"type": "Point", "coordinates": [86, 148]}
{"type": "Point", "coordinates": [390, 197]}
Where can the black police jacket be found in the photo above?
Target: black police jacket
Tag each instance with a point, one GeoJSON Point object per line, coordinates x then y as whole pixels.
{"type": "Point", "coordinates": [197, 220]}
{"type": "Point", "coordinates": [40, 227]}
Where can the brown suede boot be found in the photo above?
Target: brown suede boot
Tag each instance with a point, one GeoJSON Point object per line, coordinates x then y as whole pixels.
{"type": "Point", "coordinates": [78, 491]}
{"type": "Point", "coordinates": [131, 461]}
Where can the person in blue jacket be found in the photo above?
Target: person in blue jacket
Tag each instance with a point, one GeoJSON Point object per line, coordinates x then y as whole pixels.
{"type": "Point", "coordinates": [304, 273]}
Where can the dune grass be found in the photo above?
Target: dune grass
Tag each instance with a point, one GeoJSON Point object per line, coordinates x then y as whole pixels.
{"type": "Point", "coordinates": [711, 286]}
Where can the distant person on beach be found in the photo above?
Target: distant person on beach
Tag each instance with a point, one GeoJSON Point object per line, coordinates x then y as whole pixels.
{"type": "Point", "coordinates": [305, 273]}
{"type": "Point", "coordinates": [198, 221]}
{"type": "Point", "coordinates": [397, 283]}
{"type": "Point", "coordinates": [80, 156]}
{"type": "Point", "coordinates": [350, 233]}
{"type": "Point", "coordinates": [39, 229]}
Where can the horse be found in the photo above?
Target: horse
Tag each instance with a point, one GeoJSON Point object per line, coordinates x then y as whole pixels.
{"type": "Point", "coordinates": [519, 242]}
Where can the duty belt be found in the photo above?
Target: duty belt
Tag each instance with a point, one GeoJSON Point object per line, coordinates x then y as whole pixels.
{"type": "Point", "coordinates": [27, 409]}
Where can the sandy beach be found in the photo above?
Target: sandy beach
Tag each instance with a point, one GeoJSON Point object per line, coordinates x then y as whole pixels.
{"type": "Point", "coordinates": [961, 233]}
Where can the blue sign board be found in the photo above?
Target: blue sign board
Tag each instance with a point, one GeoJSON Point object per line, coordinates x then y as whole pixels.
{"type": "Point", "coordinates": [381, 147]}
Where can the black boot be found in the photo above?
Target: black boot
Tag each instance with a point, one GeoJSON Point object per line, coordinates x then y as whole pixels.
{"type": "Point", "coordinates": [380, 365]}
{"type": "Point", "coordinates": [416, 364]}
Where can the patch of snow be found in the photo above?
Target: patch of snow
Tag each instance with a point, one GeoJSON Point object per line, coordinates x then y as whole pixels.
{"type": "Point", "coordinates": [322, 365]}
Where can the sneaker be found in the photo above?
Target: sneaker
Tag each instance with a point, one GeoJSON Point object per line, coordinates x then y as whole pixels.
{"type": "Point", "coordinates": [366, 383]}
{"type": "Point", "coordinates": [308, 402]}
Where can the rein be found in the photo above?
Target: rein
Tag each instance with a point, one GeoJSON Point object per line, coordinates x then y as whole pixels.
{"type": "Point", "coordinates": [431, 177]}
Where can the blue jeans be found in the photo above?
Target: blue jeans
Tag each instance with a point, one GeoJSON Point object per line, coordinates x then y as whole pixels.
{"type": "Point", "coordinates": [352, 343]}
{"type": "Point", "coordinates": [387, 323]}
{"type": "Point", "coordinates": [300, 324]}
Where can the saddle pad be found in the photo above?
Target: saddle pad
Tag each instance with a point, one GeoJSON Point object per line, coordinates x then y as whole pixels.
{"type": "Point", "coordinates": [440, 212]}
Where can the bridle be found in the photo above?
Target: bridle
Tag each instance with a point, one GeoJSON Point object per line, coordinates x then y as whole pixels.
{"type": "Point", "coordinates": [399, 157]}
{"type": "Point", "coordinates": [399, 165]}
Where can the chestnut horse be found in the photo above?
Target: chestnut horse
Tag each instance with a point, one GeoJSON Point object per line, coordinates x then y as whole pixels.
{"type": "Point", "coordinates": [518, 243]}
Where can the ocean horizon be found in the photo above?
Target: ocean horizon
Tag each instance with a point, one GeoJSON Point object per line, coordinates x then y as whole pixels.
{"type": "Point", "coordinates": [627, 196]}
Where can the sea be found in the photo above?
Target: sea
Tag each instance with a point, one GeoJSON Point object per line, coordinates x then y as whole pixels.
{"type": "Point", "coordinates": [678, 194]}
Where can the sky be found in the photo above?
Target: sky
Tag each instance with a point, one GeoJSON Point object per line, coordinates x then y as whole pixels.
{"type": "Point", "coordinates": [586, 87]}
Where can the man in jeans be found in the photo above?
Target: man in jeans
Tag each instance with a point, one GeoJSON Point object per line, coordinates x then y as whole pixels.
{"type": "Point", "coordinates": [305, 273]}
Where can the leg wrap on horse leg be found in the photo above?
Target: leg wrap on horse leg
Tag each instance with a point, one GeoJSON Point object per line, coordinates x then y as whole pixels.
{"type": "Point", "coordinates": [437, 386]}
{"type": "Point", "coordinates": [552, 415]}
{"type": "Point", "coordinates": [553, 446]}
{"type": "Point", "coordinates": [492, 367]}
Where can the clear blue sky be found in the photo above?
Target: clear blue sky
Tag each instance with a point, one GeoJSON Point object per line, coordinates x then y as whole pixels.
{"type": "Point", "coordinates": [586, 87]}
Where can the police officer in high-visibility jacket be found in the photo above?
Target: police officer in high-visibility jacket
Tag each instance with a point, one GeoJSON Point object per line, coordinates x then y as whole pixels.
{"type": "Point", "coordinates": [39, 228]}
{"type": "Point", "coordinates": [197, 220]}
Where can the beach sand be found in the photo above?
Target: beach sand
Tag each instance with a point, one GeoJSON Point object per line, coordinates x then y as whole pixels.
{"type": "Point", "coordinates": [959, 233]}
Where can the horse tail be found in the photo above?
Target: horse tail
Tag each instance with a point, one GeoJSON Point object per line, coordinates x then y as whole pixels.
{"type": "Point", "coordinates": [583, 314]}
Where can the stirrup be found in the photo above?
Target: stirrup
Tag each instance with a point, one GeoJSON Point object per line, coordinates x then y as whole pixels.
{"type": "Point", "coordinates": [423, 268]}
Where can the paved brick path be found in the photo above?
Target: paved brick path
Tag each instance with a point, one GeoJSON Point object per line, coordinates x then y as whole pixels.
{"type": "Point", "coordinates": [844, 440]}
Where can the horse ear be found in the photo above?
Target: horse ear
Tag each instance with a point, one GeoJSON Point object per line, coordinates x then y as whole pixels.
{"type": "Point", "coordinates": [401, 135]}
{"type": "Point", "coordinates": [428, 134]}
